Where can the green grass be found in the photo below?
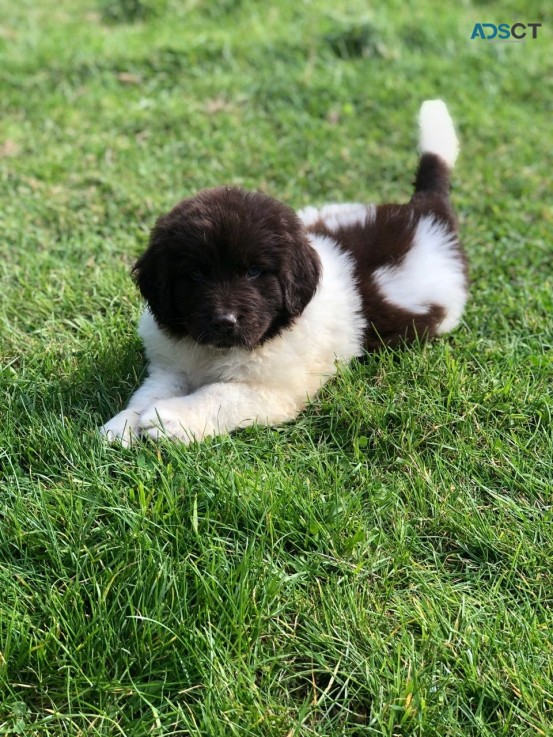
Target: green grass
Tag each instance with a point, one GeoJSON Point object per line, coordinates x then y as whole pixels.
{"type": "Point", "coordinates": [383, 566]}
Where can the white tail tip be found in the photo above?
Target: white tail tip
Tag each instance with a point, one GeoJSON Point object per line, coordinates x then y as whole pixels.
{"type": "Point", "coordinates": [437, 134]}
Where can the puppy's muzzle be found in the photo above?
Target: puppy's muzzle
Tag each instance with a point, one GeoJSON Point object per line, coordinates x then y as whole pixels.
{"type": "Point", "coordinates": [224, 324]}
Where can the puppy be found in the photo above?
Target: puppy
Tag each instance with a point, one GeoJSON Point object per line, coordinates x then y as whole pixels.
{"type": "Point", "coordinates": [250, 306]}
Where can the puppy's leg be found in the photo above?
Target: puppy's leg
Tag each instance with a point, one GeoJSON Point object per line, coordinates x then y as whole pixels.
{"type": "Point", "coordinates": [217, 409]}
{"type": "Point", "coordinates": [159, 385]}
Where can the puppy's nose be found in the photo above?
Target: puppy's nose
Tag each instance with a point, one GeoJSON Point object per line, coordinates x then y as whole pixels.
{"type": "Point", "coordinates": [224, 323]}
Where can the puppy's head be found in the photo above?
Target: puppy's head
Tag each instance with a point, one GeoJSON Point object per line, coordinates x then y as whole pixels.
{"type": "Point", "coordinates": [228, 268]}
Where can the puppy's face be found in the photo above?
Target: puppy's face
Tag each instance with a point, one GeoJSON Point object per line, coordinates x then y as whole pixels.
{"type": "Point", "coordinates": [228, 268]}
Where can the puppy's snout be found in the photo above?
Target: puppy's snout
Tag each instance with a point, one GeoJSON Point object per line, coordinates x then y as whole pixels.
{"type": "Point", "coordinates": [224, 323]}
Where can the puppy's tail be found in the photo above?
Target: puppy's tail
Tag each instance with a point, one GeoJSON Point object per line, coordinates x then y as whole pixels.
{"type": "Point", "coordinates": [438, 146]}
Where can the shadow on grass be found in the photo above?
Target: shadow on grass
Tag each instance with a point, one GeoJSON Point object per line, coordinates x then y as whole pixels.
{"type": "Point", "coordinates": [52, 419]}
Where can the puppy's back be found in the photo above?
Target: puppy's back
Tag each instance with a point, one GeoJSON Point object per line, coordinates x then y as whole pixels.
{"type": "Point", "coordinates": [410, 268]}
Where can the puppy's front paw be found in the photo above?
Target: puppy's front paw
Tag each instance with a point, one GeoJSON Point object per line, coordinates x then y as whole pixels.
{"type": "Point", "coordinates": [171, 419]}
{"type": "Point", "coordinates": [123, 428]}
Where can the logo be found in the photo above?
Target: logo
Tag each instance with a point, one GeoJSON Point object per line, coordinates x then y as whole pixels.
{"type": "Point", "coordinates": [505, 31]}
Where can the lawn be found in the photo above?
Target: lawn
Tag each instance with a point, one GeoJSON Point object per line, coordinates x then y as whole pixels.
{"type": "Point", "coordinates": [382, 566]}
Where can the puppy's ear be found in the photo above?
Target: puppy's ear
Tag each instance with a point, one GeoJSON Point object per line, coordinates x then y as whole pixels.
{"type": "Point", "coordinates": [301, 276]}
{"type": "Point", "coordinates": [150, 274]}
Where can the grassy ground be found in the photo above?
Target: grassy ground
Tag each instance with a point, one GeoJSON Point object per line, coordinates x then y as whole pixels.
{"type": "Point", "coordinates": [383, 566]}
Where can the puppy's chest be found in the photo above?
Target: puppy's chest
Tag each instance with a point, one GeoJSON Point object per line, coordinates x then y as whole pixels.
{"type": "Point", "coordinates": [204, 365]}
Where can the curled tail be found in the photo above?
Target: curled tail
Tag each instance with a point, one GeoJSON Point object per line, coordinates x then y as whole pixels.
{"type": "Point", "coordinates": [438, 146]}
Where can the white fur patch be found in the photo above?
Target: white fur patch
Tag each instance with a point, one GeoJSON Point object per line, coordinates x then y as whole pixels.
{"type": "Point", "coordinates": [344, 216]}
{"type": "Point", "coordinates": [309, 216]}
{"type": "Point", "coordinates": [338, 216]}
{"type": "Point", "coordinates": [437, 134]}
{"type": "Point", "coordinates": [430, 273]}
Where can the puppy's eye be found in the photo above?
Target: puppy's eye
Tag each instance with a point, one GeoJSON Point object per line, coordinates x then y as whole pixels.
{"type": "Point", "coordinates": [253, 272]}
{"type": "Point", "coordinates": [197, 275]}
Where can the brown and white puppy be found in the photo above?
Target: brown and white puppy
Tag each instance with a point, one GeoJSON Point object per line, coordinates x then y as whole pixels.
{"type": "Point", "coordinates": [250, 306]}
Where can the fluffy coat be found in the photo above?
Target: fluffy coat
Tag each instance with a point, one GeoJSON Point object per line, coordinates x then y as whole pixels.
{"type": "Point", "coordinates": [251, 307]}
